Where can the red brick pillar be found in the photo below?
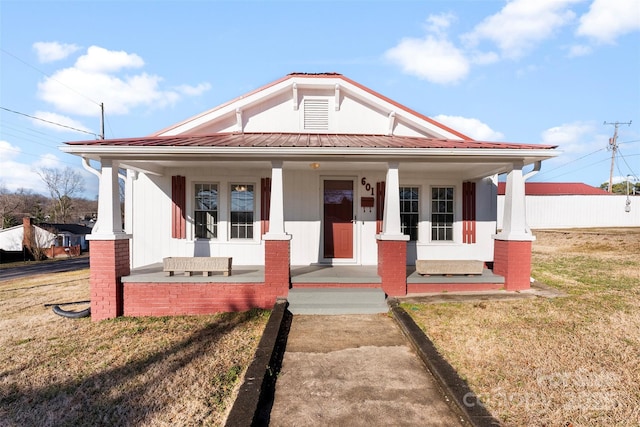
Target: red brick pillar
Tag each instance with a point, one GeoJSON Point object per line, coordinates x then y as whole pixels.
{"type": "Point", "coordinates": [109, 260]}
{"type": "Point", "coordinates": [392, 266]}
{"type": "Point", "coordinates": [512, 259]}
{"type": "Point", "coordinates": [277, 274]}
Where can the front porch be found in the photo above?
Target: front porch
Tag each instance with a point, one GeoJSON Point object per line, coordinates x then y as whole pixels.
{"type": "Point", "coordinates": [321, 275]}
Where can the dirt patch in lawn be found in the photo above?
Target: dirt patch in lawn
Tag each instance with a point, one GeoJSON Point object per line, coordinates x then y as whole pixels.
{"type": "Point", "coordinates": [127, 371]}
{"type": "Point", "coordinates": [572, 360]}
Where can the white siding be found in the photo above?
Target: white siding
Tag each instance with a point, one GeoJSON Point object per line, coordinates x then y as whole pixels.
{"type": "Point", "coordinates": [578, 211]}
{"type": "Point", "coordinates": [151, 216]}
{"type": "Point", "coordinates": [11, 238]}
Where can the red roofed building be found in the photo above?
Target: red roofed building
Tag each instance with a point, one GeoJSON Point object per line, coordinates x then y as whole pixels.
{"type": "Point", "coordinates": [309, 172]}
{"type": "Point", "coordinates": [557, 189]}
{"type": "Point", "coordinates": [573, 205]}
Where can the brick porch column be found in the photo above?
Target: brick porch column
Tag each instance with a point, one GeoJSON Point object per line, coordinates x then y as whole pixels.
{"type": "Point", "coordinates": [392, 266]}
{"type": "Point", "coordinates": [109, 261]}
{"type": "Point", "coordinates": [512, 259]}
{"type": "Point", "coordinates": [276, 268]}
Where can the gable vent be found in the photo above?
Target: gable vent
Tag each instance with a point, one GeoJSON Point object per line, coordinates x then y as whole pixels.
{"type": "Point", "coordinates": [316, 114]}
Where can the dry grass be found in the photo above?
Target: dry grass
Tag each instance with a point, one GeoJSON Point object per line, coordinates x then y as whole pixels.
{"type": "Point", "coordinates": [551, 362]}
{"type": "Point", "coordinates": [126, 371]}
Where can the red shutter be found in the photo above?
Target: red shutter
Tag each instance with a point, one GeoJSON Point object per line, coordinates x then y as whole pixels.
{"type": "Point", "coordinates": [469, 212]}
{"type": "Point", "coordinates": [265, 204]}
{"type": "Point", "coordinates": [178, 207]}
{"type": "Point", "coordinates": [380, 187]}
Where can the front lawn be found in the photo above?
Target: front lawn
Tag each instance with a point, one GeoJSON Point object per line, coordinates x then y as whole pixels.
{"type": "Point", "coordinates": [574, 359]}
{"type": "Point", "coordinates": [127, 371]}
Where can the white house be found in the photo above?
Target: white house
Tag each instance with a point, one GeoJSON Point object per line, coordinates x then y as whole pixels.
{"type": "Point", "coordinates": [49, 240]}
{"type": "Point", "coordinates": [310, 170]}
{"type": "Point", "coordinates": [13, 239]}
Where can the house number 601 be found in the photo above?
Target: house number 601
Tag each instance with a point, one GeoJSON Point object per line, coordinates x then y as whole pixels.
{"type": "Point", "coordinates": [367, 186]}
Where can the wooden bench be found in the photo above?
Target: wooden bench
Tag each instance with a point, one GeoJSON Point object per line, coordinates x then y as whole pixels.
{"type": "Point", "coordinates": [449, 267]}
{"type": "Point", "coordinates": [189, 265]}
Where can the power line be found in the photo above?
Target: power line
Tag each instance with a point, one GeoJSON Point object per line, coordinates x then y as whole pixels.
{"type": "Point", "coordinates": [34, 155]}
{"type": "Point", "coordinates": [48, 76]}
{"type": "Point", "coordinates": [584, 167]}
{"type": "Point", "coordinates": [625, 162]}
{"type": "Point", "coordinates": [48, 121]}
{"type": "Point", "coordinates": [569, 162]}
{"type": "Point", "coordinates": [29, 131]}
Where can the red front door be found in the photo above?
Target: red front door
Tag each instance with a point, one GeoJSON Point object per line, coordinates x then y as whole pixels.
{"type": "Point", "coordinates": [338, 213]}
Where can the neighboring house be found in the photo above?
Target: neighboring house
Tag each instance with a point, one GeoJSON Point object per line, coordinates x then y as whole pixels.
{"type": "Point", "coordinates": [69, 236]}
{"type": "Point", "coordinates": [310, 170]}
{"type": "Point", "coordinates": [574, 205]}
{"type": "Point", "coordinates": [50, 240]}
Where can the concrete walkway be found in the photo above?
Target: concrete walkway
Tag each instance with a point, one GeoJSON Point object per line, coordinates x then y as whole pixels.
{"type": "Point", "coordinates": [356, 370]}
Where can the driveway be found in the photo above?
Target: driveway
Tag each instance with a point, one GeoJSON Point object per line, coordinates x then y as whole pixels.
{"type": "Point", "coordinates": [32, 268]}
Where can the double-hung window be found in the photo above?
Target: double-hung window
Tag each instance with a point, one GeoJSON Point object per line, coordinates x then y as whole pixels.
{"type": "Point", "coordinates": [409, 211]}
{"type": "Point", "coordinates": [242, 209]}
{"type": "Point", "coordinates": [442, 213]}
{"type": "Point", "coordinates": [206, 211]}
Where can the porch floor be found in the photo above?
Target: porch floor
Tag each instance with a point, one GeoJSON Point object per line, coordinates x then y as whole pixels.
{"type": "Point", "coordinates": [303, 274]}
{"type": "Point", "coordinates": [153, 273]}
{"type": "Point", "coordinates": [487, 276]}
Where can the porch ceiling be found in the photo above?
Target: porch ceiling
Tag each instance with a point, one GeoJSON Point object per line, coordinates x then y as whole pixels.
{"type": "Point", "coordinates": [465, 170]}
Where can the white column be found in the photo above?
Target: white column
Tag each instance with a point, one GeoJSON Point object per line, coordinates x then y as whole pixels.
{"type": "Point", "coordinates": [128, 200]}
{"type": "Point", "coordinates": [391, 218]}
{"type": "Point", "coordinates": [514, 222]}
{"type": "Point", "coordinates": [276, 206]}
{"type": "Point", "coordinates": [109, 225]}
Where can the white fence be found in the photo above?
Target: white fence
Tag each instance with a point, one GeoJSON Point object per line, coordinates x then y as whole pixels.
{"type": "Point", "coordinates": [578, 211]}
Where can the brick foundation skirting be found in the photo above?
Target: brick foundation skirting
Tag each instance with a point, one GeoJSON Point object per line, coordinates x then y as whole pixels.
{"type": "Point", "coordinates": [173, 299]}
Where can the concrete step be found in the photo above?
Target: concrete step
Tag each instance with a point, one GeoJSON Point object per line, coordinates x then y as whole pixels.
{"type": "Point", "coordinates": [337, 301]}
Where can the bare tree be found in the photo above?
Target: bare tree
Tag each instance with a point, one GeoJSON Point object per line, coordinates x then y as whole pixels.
{"type": "Point", "coordinates": [62, 185]}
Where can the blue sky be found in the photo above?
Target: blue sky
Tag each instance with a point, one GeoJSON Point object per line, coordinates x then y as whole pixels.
{"type": "Point", "coordinates": [531, 71]}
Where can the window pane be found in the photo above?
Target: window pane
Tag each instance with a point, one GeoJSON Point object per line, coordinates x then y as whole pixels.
{"type": "Point", "coordinates": [442, 213]}
{"type": "Point", "coordinates": [242, 206]}
{"type": "Point", "coordinates": [205, 211]}
{"type": "Point", "coordinates": [409, 211]}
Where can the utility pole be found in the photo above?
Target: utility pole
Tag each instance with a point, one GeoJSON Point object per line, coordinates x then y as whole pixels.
{"type": "Point", "coordinates": [613, 146]}
{"type": "Point", "coordinates": [102, 120]}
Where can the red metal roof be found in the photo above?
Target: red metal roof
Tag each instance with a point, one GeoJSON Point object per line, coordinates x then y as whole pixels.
{"type": "Point", "coordinates": [304, 140]}
{"type": "Point", "coordinates": [556, 189]}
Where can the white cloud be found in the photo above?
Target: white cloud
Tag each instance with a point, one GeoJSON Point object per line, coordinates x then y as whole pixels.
{"type": "Point", "coordinates": [94, 79]}
{"type": "Point", "coordinates": [101, 60]}
{"type": "Point", "coordinates": [579, 50]}
{"type": "Point", "coordinates": [193, 90]}
{"type": "Point", "coordinates": [437, 24]}
{"type": "Point", "coordinates": [471, 127]}
{"type": "Point", "coordinates": [60, 119]}
{"type": "Point", "coordinates": [53, 51]}
{"type": "Point", "coordinates": [522, 24]}
{"type": "Point", "coordinates": [606, 20]}
{"type": "Point", "coordinates": [576, 137]}
{"type": "Point", "coordinates": [15, 175]}
{"type": "Point", "coordinates": [484, 58]}
{"type": "Point", "coordinates": [434, 57]}
{"type": "Point", "coordinates": [8, 152]}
